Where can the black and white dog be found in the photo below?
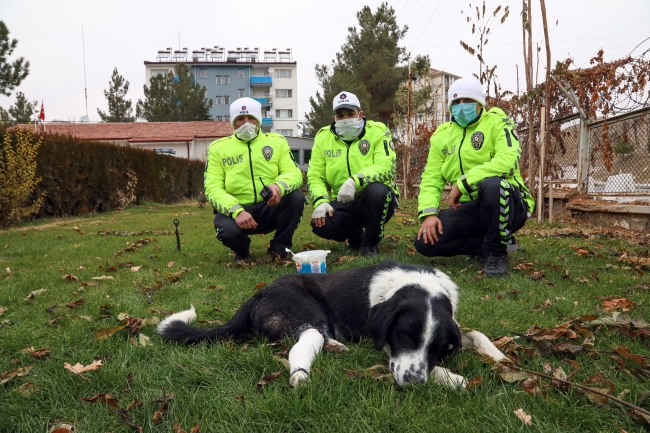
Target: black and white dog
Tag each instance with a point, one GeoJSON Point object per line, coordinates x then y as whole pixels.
{"type": "Point", "coordinates": [408, 310]}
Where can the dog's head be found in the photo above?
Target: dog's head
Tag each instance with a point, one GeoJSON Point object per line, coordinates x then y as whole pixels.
{"type": "Point", "coordinates": [417, 330]}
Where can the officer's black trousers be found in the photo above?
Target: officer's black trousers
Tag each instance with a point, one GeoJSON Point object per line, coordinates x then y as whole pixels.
{"type": "Point", "coordinates": [283, 218]}
{"type": "Point", "coordinates": [483, 225]}
{"type": "Point", "coordinates": [370, 209]}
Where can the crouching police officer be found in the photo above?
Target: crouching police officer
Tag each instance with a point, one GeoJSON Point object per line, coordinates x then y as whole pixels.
{"type": "Point", "coordinates": [355, 157]}
{"type": "Point", "coordinates": [478, 153]}
{"type": "Point", "coordinates": [238, 169]}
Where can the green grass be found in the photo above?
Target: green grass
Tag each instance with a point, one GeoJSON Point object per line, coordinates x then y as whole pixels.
{"type": "Point", "coordinates": [216, 385]}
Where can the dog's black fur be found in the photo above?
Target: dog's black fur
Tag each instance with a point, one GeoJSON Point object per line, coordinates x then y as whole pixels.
{"type": "Point", "coordinates": [348, 305]}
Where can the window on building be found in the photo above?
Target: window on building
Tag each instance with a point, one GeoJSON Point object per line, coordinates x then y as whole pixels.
{"type": "Point", "coordinates": [283, 93]}
{"type": "Point", "coordinates": [306, 154]}
{"type": "Point", "coordinates": [223, 79]}
{"type": "Point", "coordinates": [240, 73]}
{"type": "Point", "coordinates": [286, 133]}
{"type": "Point", "coordinates": [156, 72]}
{"type": "Point", "coordinates": [283, 73]}
{"type": "Point", "coordinates": [283, 114]}
{"type": "Point", "coordinates": [295, 153]}
{"type": "Point", "coordinates": [203, 73]}
{"type": "Point", "coordinates": [446, 80]}
{"type": "Point", "coordinates": [223, 100]}
{"type": "Point", "coordinates": [241, 93]}
{"type": "Point", "coordinates": [447, 117]}
{"type": "Point", "coordinates": [267, 93]}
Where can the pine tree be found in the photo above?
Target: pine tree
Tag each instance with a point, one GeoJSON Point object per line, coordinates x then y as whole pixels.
{"type": "Point", "coordinates": [371, 64]}
{"type": "Point", "coordinates": [174, 98]}
{"type": "Point", "coordinates": [11, 74]}
{"type": "Point", "coordinates": [23, 110]}
{"type": "Point", "coordinates": [119, 108]}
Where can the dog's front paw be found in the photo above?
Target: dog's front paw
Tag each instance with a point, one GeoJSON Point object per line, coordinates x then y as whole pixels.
{"type": "Point", "coordinates": [334, 346]}
{"type": "Point", "coordinates": [445, 377]}
{"type": "Point", "coordinates": [298, 376]}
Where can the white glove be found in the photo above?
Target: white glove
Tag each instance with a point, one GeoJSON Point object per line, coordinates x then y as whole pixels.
{"type": "Point", "coordinates": [322, 210]}
{"type": "Point", "coordinates": [346, 193]}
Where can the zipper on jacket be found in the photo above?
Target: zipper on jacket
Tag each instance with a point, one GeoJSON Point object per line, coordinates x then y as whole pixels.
{"type": "Point", "coordinates": [460, 159]}
{"type": "Point", "coordinates": [250, 162]}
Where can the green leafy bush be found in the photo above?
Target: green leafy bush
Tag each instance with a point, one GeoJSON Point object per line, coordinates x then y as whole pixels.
{"type": "Point", "coordinates": [18, 177]}
{"type": "Point", "coordinates": [79, 176]}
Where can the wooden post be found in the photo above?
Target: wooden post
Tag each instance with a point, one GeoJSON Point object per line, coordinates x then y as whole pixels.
{"type": "Point", "coordinates": [542, 151]}
{"type": "Point", "coordinates": [550, 202]}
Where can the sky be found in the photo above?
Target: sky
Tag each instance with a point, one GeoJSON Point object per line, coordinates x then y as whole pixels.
{"type": "Point", "coordinates": [74, 45]}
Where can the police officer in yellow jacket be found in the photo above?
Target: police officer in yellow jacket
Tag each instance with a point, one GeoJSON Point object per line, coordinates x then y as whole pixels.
{"type": "Point", "coordinates": [478, 153]}
{"type": "Point", "coordinates": [356, 158]}
{"type": "Point", "coordinates": [236, 172]}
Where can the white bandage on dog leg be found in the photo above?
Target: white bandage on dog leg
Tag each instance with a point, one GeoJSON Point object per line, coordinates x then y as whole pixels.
{"type": "Point", "coordinates": [445, 377]}
{"type": "Point", "coordinates": [302, 355]}
{"type": "Point", "coordinates": [478, 341]}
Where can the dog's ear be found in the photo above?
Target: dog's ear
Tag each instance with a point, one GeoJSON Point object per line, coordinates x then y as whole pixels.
{"type": "Point", "coordinates": [380, 318]}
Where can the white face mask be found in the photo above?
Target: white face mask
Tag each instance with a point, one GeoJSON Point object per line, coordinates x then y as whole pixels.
{"type": "Point", "coordinates": [246, 132]}
{"type": "Point", "coordinates": [348, 129]}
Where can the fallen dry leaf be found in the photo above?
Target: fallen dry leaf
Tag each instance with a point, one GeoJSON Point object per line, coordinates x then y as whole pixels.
{"type": "Point", "coordinates": [70, 277]}
{"type": "Point", "coordinates": [78, 368]}
{"type": "Point", "coordinates": [157, 416]}
{"type": "Point", "coordinates": [107, 399]}
{"type": "Point", "coordinates": [618, 304]}
{"type": "Point", "coordinates": [522, 415]}
{"type": "Point", "coordinates": [104, 333]}
{"type": "Point", "coordinates": [8, 375]}
{"type": "Point", "coordinates": [170, 264]}
{"type": "Point", "coordinates": [104, 277]}
{"type": "Point", "coordinates": [260, 285]}
{"type": "Point", "coordinates": [35, 293]}
{"type": "Point", "coordinates": [75, 303]}
{"type": "Point", "coordinates": [135, 268]}
{"type": "Point", "coordinates": [266, 380]}
{"type": "Point", "coordinates": [3, 310]}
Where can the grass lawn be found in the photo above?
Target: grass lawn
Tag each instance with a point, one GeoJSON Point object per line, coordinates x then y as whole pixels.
{"type": "Point", "coordinates": [564, 272]}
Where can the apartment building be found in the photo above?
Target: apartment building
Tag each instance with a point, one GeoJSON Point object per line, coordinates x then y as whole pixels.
{"type": "Point", "coordinates": [439, 81]}
{"type": "Point", "coordinates": [268, 76]}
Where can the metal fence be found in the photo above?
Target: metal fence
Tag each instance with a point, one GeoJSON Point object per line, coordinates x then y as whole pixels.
{"type": "Point", "coordinates": [622, 166]}
{"type": "Point", "coordinates": [619, 167]}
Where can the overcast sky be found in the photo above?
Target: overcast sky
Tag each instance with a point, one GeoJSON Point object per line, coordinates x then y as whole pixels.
{"type": "Point", "coordinates": [124, 34]}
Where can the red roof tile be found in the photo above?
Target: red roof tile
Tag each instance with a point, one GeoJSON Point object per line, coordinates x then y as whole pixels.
{"type": "Point", "coordinates": [142, 132]}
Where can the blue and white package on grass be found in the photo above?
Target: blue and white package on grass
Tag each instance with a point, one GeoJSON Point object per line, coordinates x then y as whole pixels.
{"type": "Point", "coordinates": [311, 262]}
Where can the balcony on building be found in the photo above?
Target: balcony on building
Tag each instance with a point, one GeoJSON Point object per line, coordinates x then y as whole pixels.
{"type": "Point", "coordinates": [267, 121]}
{"type": "Point", "coordinates": [266, 102]}
{"type": "Point", "coordinates": [261, 81]}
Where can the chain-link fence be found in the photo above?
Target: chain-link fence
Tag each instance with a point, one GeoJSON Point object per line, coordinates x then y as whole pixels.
{"type": "Point", "coordinates": [619, 155]}
{"type": "Point", "coordinates": [561, 156]}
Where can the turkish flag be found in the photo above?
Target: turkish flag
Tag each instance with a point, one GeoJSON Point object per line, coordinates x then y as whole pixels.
{"type": "Point", "coordinates": [42, 115]}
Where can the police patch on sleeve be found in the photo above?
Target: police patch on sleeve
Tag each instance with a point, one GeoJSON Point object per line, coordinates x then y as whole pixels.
{"type": "Point", "coordinates": [364, 147]}
{"type": "Point", "coordinates": [267, 151]}
{"type": "Point", "coordinates": [477, 140]}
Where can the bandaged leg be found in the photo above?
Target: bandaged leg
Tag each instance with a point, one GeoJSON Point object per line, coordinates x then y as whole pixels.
{"type": "Point", "coordinates": [302, 355]}
{"type": "Point", "coordinates": [445, 377]}
{"type": "Point", "coordinates": [482, 344]}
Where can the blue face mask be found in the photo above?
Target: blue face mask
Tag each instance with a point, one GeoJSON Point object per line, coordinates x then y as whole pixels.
{"type": "Point", "coordinates": [464, 113]}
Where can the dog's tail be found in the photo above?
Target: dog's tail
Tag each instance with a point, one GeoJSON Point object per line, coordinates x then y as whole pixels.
{"type": "Point", "coordinates": [176, 328]}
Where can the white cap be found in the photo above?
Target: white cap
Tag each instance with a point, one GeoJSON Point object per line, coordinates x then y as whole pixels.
{"type": "Point", "coordinates": [346, 100]}
{"type": "Point", "coordinates": [245, 106]}
{"type": "Point", "coordinates": [468, 87]}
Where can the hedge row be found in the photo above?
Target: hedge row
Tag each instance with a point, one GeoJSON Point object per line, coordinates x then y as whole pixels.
{"type": "Point", "coordinates": [80, 176]}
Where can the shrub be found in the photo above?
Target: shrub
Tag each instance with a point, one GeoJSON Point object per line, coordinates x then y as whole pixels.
{"type": "Point", "coordinates": [18, 177]}
{"type": "Point", "coordinates": [79, 176]}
